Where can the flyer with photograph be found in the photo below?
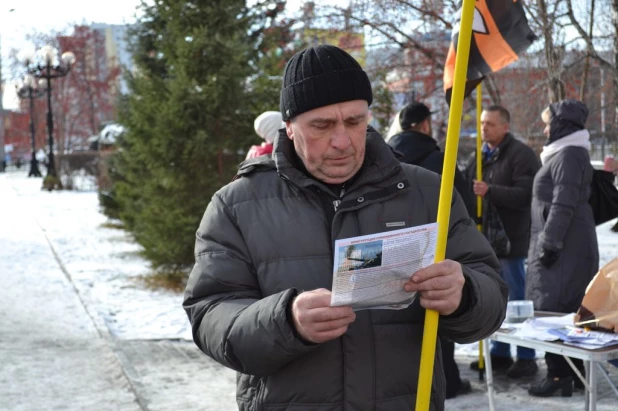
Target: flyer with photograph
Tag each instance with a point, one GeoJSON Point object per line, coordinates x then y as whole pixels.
{"type": "Point", "coordinates": [371, 270]}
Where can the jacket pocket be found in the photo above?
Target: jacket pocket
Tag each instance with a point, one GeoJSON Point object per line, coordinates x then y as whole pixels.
{"type": "Point", "coordinates": [305, 407]}
{"type": "Point", "coordinates": [398, 353]}
{"type": "Point", "coordinates": [312, 380]}
{"type": "Point", "coordinates": [404, 403]}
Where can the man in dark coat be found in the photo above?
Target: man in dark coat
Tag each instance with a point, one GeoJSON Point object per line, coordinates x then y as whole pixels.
{"type": "Point", "coordinates": [259, 297]}
{"type": "Point", "coordinates": [418, 147]}
{"type": "Point", "coordinates": [509, 167]}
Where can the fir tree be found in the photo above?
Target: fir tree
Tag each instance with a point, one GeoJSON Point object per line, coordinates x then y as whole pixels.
{"type": "Point", "coordinates": [188, 113]}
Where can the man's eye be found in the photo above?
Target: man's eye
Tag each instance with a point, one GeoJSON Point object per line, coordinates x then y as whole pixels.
{"type": "Point", "coordinates": [321, 126]}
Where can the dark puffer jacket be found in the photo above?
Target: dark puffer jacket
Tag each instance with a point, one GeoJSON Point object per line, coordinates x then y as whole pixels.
{"type": "Point", "coordinates": [509, 173]}
{"type": "Point", "coordinates": [422, 150]}
{"type": "Point", "coordinates": [562, 219]}
{"type": "Point", "coordinates": [265, 237]}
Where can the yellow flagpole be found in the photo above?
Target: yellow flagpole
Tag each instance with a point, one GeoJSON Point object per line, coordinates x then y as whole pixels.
{"type": "Point", "coordinates": [479, 153]}
{"type": "Point", "coordinates": [430, 331]}
{"type": "Point", "coordinates": [479, 199]}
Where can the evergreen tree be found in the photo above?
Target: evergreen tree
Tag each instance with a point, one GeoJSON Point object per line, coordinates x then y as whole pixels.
{"type": "Point", "coordinates": [274, 48]}
{"type": "Point", "coordinates": [383, 101]}
{"type": "Point", "coordinates": [189, 111]}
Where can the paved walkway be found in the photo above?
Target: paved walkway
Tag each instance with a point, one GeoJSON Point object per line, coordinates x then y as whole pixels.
{"type": "Point", "coordinates": [52, 355]}
{"type": "Point", "coordinates": [56, 352]}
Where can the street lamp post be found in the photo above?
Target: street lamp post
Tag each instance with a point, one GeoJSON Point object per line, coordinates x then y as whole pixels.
{"type": "Point", "coordinates": [2, 110]}
{"type": "Point", "coordinates": [50, 67]}
{"type": "Point", "coordinates": [30, 90]}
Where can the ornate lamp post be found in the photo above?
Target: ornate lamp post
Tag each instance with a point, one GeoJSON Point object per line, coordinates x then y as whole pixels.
{"type": "Point", "coordinates": [49, 66]}
{"type": "Point", "coordinates": [31, 90]}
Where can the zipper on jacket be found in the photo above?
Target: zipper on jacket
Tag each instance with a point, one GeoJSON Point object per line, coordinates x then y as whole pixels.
{"type": "Point", "coordinates": [337, 203]}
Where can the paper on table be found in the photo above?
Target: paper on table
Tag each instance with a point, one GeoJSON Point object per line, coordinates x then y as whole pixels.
{"type": "Point", "coordinates": [554, 321]}
{"type": "Point", "coordinates": [538, 328]}
{"type": "Point", "coordinates": [585, 338]}
{"type": "Point", "coordinates": [529, 330]}
{"type": "Point", "coordinates": [370, 271]}
{"type": "Point", "coordinates": [561, 328]}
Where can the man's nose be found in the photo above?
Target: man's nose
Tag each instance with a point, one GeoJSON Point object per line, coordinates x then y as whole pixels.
{"type": "Point", "coordinates": [340, 139]}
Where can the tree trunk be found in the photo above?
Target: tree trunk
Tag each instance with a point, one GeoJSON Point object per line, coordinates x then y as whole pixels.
{"type": "Point", "coordinates": [615, 75]}
{"type": "Point", "coordinates": [582, 90]}
{"type": "Point", "coordinates": [553, 54]}
{"type": "Point", "coordinates": [492, 89]}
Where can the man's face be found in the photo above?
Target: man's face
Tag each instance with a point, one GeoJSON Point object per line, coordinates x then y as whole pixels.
{"type": "Point", "coordinates": [330, 140]}
{"type": "Point", "coordinates": [493, 128]}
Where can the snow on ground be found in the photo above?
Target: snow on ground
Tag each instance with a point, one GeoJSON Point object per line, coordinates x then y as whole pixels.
{"type": "Point", "coordinates": [103, 263]}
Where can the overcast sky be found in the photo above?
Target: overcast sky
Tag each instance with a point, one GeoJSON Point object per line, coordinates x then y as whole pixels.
{"type": "Point", "coordinates": [46, 16]}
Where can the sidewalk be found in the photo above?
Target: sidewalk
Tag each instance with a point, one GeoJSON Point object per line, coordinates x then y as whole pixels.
{"type": "Point", "coordinates": [59, 348]}
{"type": "Point", "coordinates": [53, 357]}
{"type": "Point", "coordinates": [78, 331]}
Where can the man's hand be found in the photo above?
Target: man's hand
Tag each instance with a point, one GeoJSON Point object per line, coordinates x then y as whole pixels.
{"type": "Point", "coordinates": [439, 285]}
{"type": "Point", "coordinates": [480, 188]}
{"type": "Point", "coordinates": [316, 321]}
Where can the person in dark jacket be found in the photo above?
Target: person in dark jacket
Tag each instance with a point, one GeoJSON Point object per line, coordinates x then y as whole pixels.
{"type": "Point", "coordinates": [509, 167]}
{"type": "Point", "coordinates": [259, 297]}
{"type": "Point", "coordinates": [564, 254]}
{"type": "Point", "coordinates": [417, 147]}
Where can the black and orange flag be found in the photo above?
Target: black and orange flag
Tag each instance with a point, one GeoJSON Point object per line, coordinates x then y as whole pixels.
{"type": "Point", "coordinates": [500, 33]}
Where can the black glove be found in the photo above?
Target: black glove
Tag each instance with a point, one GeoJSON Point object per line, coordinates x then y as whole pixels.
{"type": "Point", "coordinates": [548, 257]}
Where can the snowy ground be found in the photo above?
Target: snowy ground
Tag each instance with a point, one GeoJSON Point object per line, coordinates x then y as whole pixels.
{"type": "Point", "coordinates": [103, 263]}
{"type": "Point", "coordinates": [144, 328]}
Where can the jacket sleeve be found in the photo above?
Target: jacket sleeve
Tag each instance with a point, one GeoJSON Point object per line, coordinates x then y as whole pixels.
{"type": "Point", "coordinates": [467, 195]}
{"type": "Point", "coordinates": [231, 321]}
{"type": "Point", "coordinates": [518, 195]}
{"type": "Point", "coordinates": [566, 174]}
{"type": "Point", "coordinates": [487, 292]}
{"type": "Point", "coordinates": [461, 184]}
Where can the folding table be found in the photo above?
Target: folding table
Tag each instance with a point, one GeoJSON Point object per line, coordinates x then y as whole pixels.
{"type": "Point", "coordinates": [593, 360]}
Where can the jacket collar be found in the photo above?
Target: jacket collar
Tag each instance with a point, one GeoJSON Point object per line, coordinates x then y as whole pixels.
{"type": "Point", "coordinates": [500, 149]}
{"type": "Point", "coordinates": [413, 145]}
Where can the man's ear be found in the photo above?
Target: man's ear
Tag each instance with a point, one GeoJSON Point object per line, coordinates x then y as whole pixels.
{"type": "Point", "coordinates": [288, 129]}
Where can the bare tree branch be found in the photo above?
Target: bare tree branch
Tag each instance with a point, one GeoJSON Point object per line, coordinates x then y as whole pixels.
{"type": "Point", "coordinates": [582, 90]}
{"type": "Point", "coordinates": [427, 13]}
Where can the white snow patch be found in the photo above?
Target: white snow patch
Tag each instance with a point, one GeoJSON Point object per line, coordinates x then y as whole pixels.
{"type": "Point", "coordinates": [103, 263]}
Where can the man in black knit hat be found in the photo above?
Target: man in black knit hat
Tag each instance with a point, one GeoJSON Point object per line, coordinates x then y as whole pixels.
{"type": "Point", "coordinates": [258, 296]}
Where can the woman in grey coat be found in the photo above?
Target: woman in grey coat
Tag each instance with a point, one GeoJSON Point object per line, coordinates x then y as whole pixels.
{"type": "Point", "coordinates": [563, 255]}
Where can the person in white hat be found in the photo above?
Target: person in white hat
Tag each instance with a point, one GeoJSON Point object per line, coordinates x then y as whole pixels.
{"type": "Point", "coordinates": [267, 126]}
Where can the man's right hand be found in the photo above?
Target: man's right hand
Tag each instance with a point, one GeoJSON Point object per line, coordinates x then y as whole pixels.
{"type": "Point", "coordinates": [316, 321]}
{"type": "Point", "coordinates": [480, 188]}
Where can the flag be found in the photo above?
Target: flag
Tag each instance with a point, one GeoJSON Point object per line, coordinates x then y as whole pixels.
{"type": "Point", "coordinates": [500, 33]}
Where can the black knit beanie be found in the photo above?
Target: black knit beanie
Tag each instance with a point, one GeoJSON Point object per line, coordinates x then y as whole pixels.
{"type": "Point", "coordinates": [321, 76]}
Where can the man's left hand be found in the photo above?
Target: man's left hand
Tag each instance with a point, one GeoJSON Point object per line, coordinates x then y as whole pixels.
{"type": "Point", "coordinates": [480, 188]}
{"type": "Point", "coordinates": [439, 286]}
